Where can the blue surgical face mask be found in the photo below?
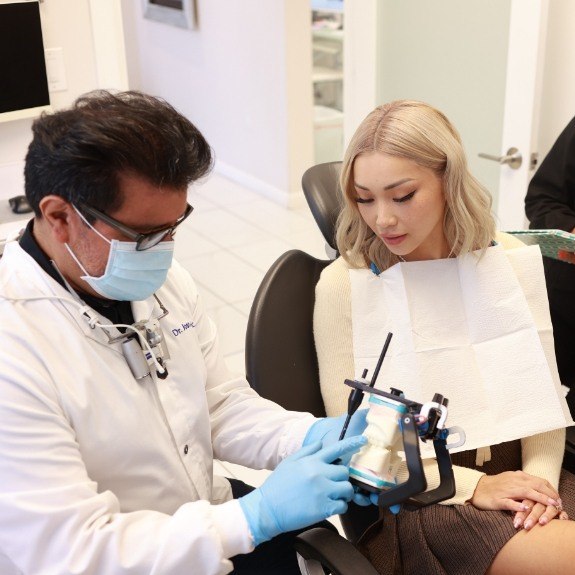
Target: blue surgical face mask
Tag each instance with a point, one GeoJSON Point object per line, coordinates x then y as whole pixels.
{"type": "Point", "coordinates": [130, 275]}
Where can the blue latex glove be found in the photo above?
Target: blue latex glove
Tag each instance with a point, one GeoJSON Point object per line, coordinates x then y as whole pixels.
{"type": "Point", "coordinates": [364, 500]}
{"type": "Point", "coordinates": [305, 488]}
{"type": "Point", "coordinates": [328, 429]}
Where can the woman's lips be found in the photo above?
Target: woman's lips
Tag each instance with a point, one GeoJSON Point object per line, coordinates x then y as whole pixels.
{"type": "Point", "coordinates": [393, 240]}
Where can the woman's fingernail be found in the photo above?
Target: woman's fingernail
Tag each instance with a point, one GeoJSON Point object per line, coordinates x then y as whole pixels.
{"type": "Point", "coordinates": [543, 520]}
{"type": "Point", "coordinates": [553, 502]}
{"type": "Point", "coordinates": [528, 524]}
{"type": "Point", "coordinates": [517, 523]}
{"type": "Point", "coordinates": [526, 507]}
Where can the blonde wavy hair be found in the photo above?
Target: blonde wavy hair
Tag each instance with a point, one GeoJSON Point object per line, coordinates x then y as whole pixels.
{"type": "Point", "coordinates": [418, 132]}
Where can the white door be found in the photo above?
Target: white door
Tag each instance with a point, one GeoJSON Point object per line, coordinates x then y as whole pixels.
{"type": "Point", "coordinates": [478, 61]}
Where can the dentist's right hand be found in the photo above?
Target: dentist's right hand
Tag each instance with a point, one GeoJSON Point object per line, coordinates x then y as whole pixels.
{"type": "Point", "coordinates": [305, 488]}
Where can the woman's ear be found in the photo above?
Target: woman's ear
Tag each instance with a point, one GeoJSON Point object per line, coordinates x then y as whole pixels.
{"type": "Point", "coordinates": [57, 214]}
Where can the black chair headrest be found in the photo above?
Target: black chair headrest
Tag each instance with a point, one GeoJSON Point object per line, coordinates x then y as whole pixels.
{"type": "Point", "coordinates": [320, 186]}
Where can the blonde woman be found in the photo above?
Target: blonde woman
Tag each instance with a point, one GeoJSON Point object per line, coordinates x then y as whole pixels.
{"type": "Point", "coordinates": [409, 199]}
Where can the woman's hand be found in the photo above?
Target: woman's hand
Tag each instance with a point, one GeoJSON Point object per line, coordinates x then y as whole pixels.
{"type": "Point", "coordinates": [538, 514]}
{"type": "Point", "coordinates": [509, 490]}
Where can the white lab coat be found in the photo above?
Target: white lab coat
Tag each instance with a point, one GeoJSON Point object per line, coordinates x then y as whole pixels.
{"type": "Point", "coordinates": [100, 474]}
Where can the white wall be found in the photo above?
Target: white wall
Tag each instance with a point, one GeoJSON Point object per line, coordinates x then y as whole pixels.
{"type": "Point", "coordinates": [243, 77]}
{"type": "Point", "coordinates": [90, 36]}
{"type": "Point", "coordinates": [558, 98]}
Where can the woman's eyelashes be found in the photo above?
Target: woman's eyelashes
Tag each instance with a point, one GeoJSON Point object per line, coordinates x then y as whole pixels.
{"type": "Point", "coordinates": [405, 198]}
{"type": "Point", "coordinates": [399, 200]}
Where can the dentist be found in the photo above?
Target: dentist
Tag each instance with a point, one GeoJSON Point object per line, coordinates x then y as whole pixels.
{"type": "Point", "coordinates": [114, 398]}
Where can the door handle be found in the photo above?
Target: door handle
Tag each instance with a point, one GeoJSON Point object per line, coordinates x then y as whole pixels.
{"type": "Point", "coordinates": [513, 158]}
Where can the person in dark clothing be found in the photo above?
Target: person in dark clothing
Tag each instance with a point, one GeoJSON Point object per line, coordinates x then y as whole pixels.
{"type": "Point", "coordinates": [550, 204]}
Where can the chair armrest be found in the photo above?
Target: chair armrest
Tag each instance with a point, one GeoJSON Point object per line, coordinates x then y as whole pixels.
{"type": "Point", "coordinates": [332, 551]}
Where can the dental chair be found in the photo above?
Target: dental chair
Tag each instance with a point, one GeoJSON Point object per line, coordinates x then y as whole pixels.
{"type": "Point", "coordinates": [281, 362]}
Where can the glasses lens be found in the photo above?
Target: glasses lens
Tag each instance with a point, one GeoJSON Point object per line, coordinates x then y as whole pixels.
{"type": "Point", "coordinates": [147, 241]}
{"type": "Point", "coordinates": [151, 240]}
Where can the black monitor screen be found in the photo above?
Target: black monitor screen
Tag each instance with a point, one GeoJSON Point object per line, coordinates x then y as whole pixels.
{"type": "Point", "coordinates": [23, 80]}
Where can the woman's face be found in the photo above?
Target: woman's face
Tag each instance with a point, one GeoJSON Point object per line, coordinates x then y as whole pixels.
{"type": "Point", "coordinates": [403, 203]}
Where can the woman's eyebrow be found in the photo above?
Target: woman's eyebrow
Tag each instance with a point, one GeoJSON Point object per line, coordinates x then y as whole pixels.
{"type": "Point", "coordinates": [398, 183]}
{"type": "Point", "coordinates": [388, 187]}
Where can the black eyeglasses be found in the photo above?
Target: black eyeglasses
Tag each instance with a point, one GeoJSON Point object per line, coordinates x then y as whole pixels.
{"type": "Point", "coordinates": [143, 241]}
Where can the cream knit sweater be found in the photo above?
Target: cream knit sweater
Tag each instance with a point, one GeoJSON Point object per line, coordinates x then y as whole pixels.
{"type": "Point", "coordinates": [542, 454]}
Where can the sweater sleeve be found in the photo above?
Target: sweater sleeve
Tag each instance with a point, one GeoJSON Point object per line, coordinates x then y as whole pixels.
{"type": "Point", "coordinates": [542, 455]}
{"type": "Point", "coordinates": [333, 335]}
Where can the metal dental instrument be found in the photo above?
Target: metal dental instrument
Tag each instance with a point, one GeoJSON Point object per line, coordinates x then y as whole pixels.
{"type": "Point", "coordinates": [356, 395]}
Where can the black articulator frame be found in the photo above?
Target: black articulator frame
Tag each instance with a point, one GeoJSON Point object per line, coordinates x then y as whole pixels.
{"type": "Point", "coordinates": [412, 492]}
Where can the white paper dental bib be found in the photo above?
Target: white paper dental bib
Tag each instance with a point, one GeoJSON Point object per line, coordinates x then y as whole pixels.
{"type": "Point", "coordinates": [478, 331]}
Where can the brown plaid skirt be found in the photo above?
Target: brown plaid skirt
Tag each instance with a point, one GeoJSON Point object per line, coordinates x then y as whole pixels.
{"type": "Point", "coordinates": [451, 539]}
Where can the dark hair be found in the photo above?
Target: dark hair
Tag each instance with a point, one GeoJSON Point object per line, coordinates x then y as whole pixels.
{"type": "Point", "coordinates": [79, 153]}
